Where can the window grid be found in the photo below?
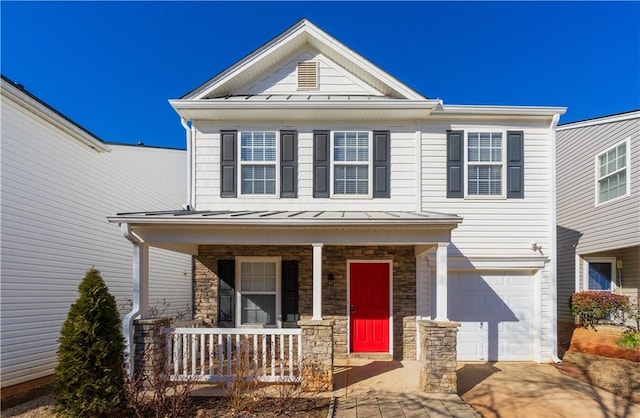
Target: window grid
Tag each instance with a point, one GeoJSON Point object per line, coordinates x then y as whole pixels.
{"type": "Point", "coordinates": [484, 163]}
{"type": "Point", "coordinates": [612, 173]}
{"type": "Point", "coordinates": [351, 162]}
{"type": "Point", "coordinates": [258, 155]}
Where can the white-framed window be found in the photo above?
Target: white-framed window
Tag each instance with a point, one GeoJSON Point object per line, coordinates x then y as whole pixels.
{"type": "Point", "coordinates": [258, 291]}
{"type": "Point", "coordinates": [600, 273]}
{"type": "Point", "coordinates": [351, 157]}
{"type": "Point", "coordinates": [612, 173]}
{"type": "Point", "coordinates": [258, 163]}
{"type": "Point", "coordinates": [485, 164]}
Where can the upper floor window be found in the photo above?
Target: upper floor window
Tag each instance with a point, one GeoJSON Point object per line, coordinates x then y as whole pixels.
{"type": "Point", "coordinates": [258, 163]}
{"type": "Point", "coordinates": [612, 172]}
{"type": "Point", "coordinates": [484, 164]}
{"type": "Point", "coordinates": [351, 163]}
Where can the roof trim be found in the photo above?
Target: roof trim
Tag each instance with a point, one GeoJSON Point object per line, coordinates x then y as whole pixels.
{"type": "Point", "coordinates": [20, 95]}
{"type": "Point", "coordinates": [309, 33]}
{"type": "Point", "coordinates": [618, 117]}
{"type": "Point", "coordinates": [491, 110]}
{"type": "Point", "coordinates": [289, 218]}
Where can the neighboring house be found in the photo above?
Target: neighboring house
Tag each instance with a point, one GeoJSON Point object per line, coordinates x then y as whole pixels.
{"type": "Point", "coordinates": [598, 189]}
{"type": "Point", "coordinates": [324, 188]}
{"type": "Point", "coordinates": [59, 183]}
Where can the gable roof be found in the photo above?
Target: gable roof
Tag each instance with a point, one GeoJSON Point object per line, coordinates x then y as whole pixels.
{"type": "Point", "coordinates": [300, 35]}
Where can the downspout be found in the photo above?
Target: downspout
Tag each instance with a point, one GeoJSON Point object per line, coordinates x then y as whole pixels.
{"type": "Point", "coordinates": [140, 294]}
{"type": "Point", "coordinates": [187, 128]}
{"type": "Point", "coordinates": [554, 256]}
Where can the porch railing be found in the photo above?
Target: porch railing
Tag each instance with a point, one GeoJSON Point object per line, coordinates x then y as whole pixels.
{"type": "Point", "coordinates": [219, 354]}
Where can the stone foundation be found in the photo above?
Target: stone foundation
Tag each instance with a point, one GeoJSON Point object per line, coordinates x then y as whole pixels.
{"type": "Point", "coordinates": [438, 356]}
{"type": "Point", "coordinates": [149, 343]}
{"type": "Point", "coordinates": [317, 355]}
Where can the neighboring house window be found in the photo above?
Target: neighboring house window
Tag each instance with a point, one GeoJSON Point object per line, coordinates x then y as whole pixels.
{"type": "Point", "coordinates": [258, 163]}
{"type": "Point", "coordinates": [484, 164]}
{"type": "Point", "coordinates": [351, 163]}
{"type": "Point", "coordinates": [612, 172]}
{"type": "Point", "coordinates": [258, 285]}
{"type": "Point", "coordinates": [600, 274]}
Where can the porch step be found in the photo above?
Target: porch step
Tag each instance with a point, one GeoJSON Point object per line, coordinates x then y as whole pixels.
{"type": "Point", "coordinates": [370, 356]}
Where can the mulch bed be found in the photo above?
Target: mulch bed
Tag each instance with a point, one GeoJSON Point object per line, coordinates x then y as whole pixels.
{"type": "Point", "coordinates": [602, 343]}
{"type": "Point", "coordinates": [264, 408]}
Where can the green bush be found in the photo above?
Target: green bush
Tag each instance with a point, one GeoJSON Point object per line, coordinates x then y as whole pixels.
{"type": "Point", "coordinates": [89, 378]}
{"type": "Point", "coordinates": [592, 307]}
{"type": "Point", "coordinates": [629, 339]}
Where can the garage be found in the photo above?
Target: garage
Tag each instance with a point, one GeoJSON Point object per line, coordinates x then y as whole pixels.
{"type": "Point", "coordinates": [495, 310]}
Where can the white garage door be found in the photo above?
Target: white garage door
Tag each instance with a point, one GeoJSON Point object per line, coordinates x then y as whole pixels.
{"type": "Point", "coordinates": [495, 310]}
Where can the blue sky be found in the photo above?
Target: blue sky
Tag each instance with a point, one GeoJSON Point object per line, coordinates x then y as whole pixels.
{"type": "Point", "coordinates": [112, 66]}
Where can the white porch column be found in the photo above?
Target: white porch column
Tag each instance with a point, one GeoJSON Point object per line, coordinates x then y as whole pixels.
{"type": "Point", "coordinates": [140, 295]}
{"type": "Point", "coordinates": [441, 282]}
{"type": "Point", "coordinates": [317, 282]}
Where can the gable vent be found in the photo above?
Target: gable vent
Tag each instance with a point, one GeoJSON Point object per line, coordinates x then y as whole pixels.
{"type": "Point", "coordinates": [307, 75]}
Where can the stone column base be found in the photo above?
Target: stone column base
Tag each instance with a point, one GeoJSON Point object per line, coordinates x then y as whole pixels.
{"type": "Point", "coordinates": [438, 356]}
{"type": "Point", "coordinates": [317, 355]}
{"type": "Point", "coordinates": [150, 349]}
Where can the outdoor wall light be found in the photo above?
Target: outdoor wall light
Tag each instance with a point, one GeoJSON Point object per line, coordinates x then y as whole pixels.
{"type": "Point", "coordinates": [535, 246]}
{"type": "Point", "coordinates": [330, 278]}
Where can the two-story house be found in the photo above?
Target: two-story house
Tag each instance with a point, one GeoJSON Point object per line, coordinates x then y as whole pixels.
{"type": "Point", "coordinates": [598, 186]}
{"type": "Point", "coordinates": [323, 188]}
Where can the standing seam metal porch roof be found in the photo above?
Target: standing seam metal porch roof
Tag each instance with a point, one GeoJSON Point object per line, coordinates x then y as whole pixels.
{"type": "Point", "coordinates": [287, 218]}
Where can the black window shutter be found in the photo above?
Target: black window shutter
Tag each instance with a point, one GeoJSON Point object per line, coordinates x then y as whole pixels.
{"type": "Point", "coordinates": [321, 163]}
{"type": "Point", "coordinates": [515, 164]}
{"type": "Point", "coordinates": [290, 294]}
{"type": "Point", "coordinates": [381, 164]}
{"type": "Point", "coordinates": [288, 164]}
{"type": "Point", "coordinates": [228, 163]}
{"type": "Point", "coordinates": [226, 293]}
{"type": "Point", "coordinates": [455, 163]}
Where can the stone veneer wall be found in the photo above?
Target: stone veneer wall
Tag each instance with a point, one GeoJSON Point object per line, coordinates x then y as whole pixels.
{"type": "Point", "coordinates": [334, 295]}
{"type": "Point", "coordinates": [149, 343]}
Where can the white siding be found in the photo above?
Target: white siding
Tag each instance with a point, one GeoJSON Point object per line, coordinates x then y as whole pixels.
{"type": "Point", "coordinates": [332, 79]}
{"type": "Point", "coordinates": [403, 171]}
{"type": "Point", "coordinates": [56, 195]}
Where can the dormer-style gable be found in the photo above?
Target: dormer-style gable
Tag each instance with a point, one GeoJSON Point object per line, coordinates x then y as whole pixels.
{"type": "Point", "coordinates": [301, 37]}
{"type": "Point", "coordinates": [303, 74]}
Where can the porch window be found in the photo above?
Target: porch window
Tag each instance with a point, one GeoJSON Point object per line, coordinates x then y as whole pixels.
{"type": "Point", "coordinates": [611, 173]}
{"type": "Point", "coordinates": [600, 274]}
{"type": "Point", "coordinates": [484, 163]}
{"type": "Point", "coordinates": [351, 163]}
{"type": "Point", "coordinates": [258, 282]}
{"type": "Point", "coordinates": [258, 163]}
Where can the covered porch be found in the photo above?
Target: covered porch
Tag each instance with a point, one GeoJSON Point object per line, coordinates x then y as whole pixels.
{"type": "Point", "coordinates": [317, 258]}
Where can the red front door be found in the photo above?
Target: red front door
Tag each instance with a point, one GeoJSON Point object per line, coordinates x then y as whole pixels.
{"type": "Point", "coordinates": [369, 294]}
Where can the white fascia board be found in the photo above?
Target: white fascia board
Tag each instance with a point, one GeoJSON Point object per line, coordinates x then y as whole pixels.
{"type": "Point", "coordinates": [498, 263]}
{"type": "Point", "coordinates": [19, 97]}
{"type": "Point", "coordinates": [478, 110]}
{"type": "Point", "coordinates": [296, 110]}
{"type": "Point", "coordinates": [599, 121]}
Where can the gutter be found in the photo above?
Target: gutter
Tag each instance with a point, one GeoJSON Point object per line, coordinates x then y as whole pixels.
{"type": "Point", "coordinates": [187, 128]}
{"type": "Point", "coordinates": [140, 296]}
{"type": "Point", "coordinates": [554, 246]}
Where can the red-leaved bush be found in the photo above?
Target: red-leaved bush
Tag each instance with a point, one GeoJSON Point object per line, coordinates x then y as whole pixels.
{"type": "Point", "coordinates": [595, 306]}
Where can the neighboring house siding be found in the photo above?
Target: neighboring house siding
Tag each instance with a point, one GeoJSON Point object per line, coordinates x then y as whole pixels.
{"type": "Point", "coordinates": [56, 195]}
{"type": "Point", "coordinates": [610, 225]}
{"type": "Point", "coordinates": [403, 170]}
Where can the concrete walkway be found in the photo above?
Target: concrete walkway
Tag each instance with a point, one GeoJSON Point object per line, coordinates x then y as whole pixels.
{"type": "Point", "coordinates": [370, 389]}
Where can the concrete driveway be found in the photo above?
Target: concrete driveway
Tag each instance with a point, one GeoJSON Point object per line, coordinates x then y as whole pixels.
{"type": "Point", "coordinates": [523, 390]}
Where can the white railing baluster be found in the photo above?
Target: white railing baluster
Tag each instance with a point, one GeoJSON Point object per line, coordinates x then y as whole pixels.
{"type": "Point", "coordinates": [290, 355]}
{"type": "Point", "coordinates": [194, 352]}
{"type": "Point", "coordinates": [229, 374]}
{"type": "Point", "coordinates": [211, 359]}
{"type": "Point", "coordinates": [282, 356]}
{"type": "Point", "coordinates": [220, 356]}
{"type": "Point", "coordinates": [273, 356]}
{"type": "Point", "coordinates": [264, 355]}
{"type": "Point", "coordinates": [202, 357]}
{"type": "Point", "coordinates": [300, 355]}
{"type": "Point", "coordinates": [176, 360]}
{"type": "Point", "coordinates": [185, 354]}
{"type": "Point", "coordinates": [255, 354]}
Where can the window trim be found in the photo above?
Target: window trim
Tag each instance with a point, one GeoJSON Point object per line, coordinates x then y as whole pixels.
{"type": "Point", "coordinates": [238, 290]}
{"type": "Point", "coordinates": [333, 163]}
{"type": "Point", "coordinates": [627, 168]}
{"type": "Point", "coordinates": [276, 164]}
{"type": "Point", "coordinates": [585, 272]}
{"type": "Point", "coordinates": [503, 164]}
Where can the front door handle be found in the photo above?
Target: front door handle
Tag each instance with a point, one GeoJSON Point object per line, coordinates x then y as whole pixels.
{"type": "Point", "coordinates": [352, 308]}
